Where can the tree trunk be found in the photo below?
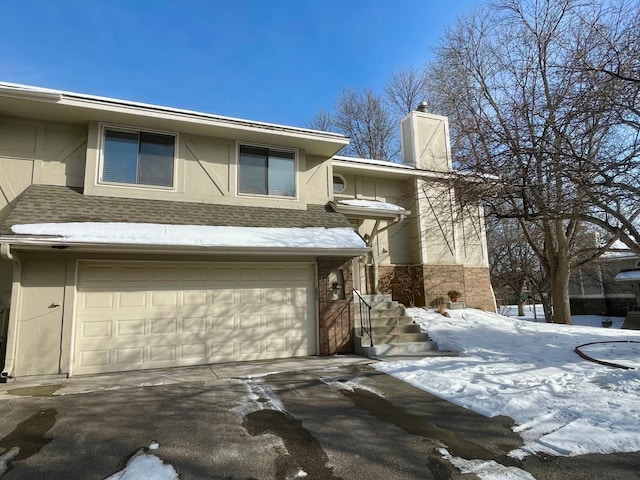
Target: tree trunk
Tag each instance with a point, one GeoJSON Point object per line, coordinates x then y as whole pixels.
{"type": "Point", "coordinates": [560, 296]}
{"type": "Point", "coordinates": [520, 300]}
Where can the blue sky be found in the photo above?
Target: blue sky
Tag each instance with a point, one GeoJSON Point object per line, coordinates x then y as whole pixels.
{"type": "Point", "coordinates": [277, 61]}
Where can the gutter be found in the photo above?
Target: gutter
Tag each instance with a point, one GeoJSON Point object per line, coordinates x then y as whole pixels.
{"type": "Point", "coordinates": [14, 311]}
{"type": "Point", "coordinates": [40, 243]}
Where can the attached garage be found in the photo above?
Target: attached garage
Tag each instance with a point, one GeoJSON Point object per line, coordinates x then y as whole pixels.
{"type": "Point", "coordinates": [133, 315]}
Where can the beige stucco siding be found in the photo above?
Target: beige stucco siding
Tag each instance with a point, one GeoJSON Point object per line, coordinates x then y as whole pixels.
{"type": "Point", "coordinates": [206, 172]}
{"type": "Point", "coordinates": [400, 243]}
{"type": "Point", "coordinates": [35, 152]}
{"type": "Point", "coordinates": [41, 153]}
{"type": "Point", "coordinates": [40, 311]}
{"type": "Point", "coordinates": [437, 228]}
{"type": "Point", "coordinates": [315, 180]}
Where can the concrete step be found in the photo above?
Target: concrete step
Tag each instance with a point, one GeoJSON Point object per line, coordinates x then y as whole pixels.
{"type": "Point", "coordinates": [382, 321]}
{"type": "Point", "coordinates": [409, 348]}
{"type": "Point", "coordinates": [377, 297]}
{"type": "Point", "coordinates": [393, 338]}
{"type": "Point", "coordinates": [403, 351]}
{"type": "Point", "coordinates": [386, 312]}
{"type": "Point", "coordinates": [391, 329]}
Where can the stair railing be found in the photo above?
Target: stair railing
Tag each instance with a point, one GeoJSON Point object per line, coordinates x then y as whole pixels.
{"type": "Point", "coordinates": [365, 316]}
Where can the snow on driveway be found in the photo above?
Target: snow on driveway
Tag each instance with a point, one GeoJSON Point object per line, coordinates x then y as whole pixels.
{"type": "Point", "coordinates": [561, 403]}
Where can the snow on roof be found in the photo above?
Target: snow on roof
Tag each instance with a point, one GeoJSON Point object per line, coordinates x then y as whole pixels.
{"type": "Point", "coordinates": [372, 204]}
{"type": "Point", "coordinates": [194, 235]}
{"type": "Point", "coordinates": [628, 276]}
{"type": "Point", "coordinates": [382, 163]}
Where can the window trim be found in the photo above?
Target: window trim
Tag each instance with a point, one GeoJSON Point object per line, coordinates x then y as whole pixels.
{"type": "Point", "coordinates": [344, 183]}
{"type": "Point", "coordinates": [296, 163]}
{"type": "Point", "coordinates": [129, 129]}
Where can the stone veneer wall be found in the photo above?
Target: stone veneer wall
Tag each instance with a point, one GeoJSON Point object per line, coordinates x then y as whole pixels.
{"type": "Point", "coordinates": [472, 282]}
{"type": "Point", "coordinates": [336, 319]}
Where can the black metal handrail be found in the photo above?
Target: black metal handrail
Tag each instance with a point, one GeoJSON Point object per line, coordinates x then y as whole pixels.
{"type": "Point", "coordinates": [365, 316]}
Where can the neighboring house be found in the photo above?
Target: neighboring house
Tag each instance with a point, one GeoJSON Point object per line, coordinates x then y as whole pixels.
{"type": "Point", "coordinates": [136, 236]}
{"type": "Point", "coordinates": [601, 289]}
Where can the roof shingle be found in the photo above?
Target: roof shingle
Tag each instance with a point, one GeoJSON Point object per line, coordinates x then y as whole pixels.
{"type": "Point", "coordinates": [59, 204]}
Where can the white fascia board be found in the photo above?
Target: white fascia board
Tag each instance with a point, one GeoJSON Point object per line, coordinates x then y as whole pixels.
{"type": "Point", "coordinates": [385, 170]}
{"type": "Point", "coordinates": [40, 243]}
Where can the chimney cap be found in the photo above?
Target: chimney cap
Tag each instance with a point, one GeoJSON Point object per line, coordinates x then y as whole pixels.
{"type": "Point", "coordinates": [423, 107]}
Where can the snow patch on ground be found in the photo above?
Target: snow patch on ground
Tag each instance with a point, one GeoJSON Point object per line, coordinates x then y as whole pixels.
{"type": "Point", "coordinates": [144, 466]}
{"type": "Point", "coordinates": [486, 469]}
{"type": "Point", "coordinates": [527, 370]}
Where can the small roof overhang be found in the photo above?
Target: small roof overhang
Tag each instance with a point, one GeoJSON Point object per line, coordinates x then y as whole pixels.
{"type": "Point", "coordinates": [370, 209]}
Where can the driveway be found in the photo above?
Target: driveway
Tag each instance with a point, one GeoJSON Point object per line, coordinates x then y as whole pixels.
{"type": "Point", "coordinates": [315, 418]}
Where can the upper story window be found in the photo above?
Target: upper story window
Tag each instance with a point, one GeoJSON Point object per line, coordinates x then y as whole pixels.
{"type": "Point", "coordinates": [138, 158]}
{"type": "Point", "coordinates": [339, 183]}
{"type": "Point", "coordinates": [267, 171]}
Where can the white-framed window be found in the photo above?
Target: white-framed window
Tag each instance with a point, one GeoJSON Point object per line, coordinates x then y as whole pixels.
{"type": "Point", "coordinates": [339, 183]}
{"type": "Point", "coordinates": [266, 171]}
{"type": "Point", "coordinates": [135, 157]}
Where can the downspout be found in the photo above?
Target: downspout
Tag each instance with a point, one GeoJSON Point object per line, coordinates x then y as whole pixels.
{"type": "Point", "coordinates": [12, 328]}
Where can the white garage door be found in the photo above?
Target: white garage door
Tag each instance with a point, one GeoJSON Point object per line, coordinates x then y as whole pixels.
{"type": "Point", "coordinates": [137, 315]}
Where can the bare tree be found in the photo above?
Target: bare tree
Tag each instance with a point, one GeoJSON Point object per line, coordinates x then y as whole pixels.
{"type": "Point", "coordinates": [365, 118]}
{"type": "Point", "coordinates": [322, 121]}
{"type": "Point", "coordinates": [551, 148]}
{"type": "Point", "coordinates": [513, 263]}
{"type": "Point", "coordinates": [405, 90]}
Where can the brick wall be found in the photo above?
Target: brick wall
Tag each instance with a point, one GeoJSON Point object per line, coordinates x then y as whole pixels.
{"type": "Point", "coordinates": [405, 283]}
{"type": "Point", "coordinates": [472, 282]}
{"type": "Point", "coordinates": [336, 321]}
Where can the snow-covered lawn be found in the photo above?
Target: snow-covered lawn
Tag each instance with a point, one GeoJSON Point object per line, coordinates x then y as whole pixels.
{"type": "Point", "coordinates": [561, 403]}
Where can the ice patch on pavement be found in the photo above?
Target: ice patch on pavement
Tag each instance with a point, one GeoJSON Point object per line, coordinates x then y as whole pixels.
{"type": "Point", "coordinates": [259, 397]}
{"type": "Point", "coordinates": [486, 469]}
{"type": "Point", "coordinates": [350, 385]}
{"type": "Point", "coordinates": [6, 457]}
{"type": "Point", "coordinates": [145, 466]}
{"type": "Point", "coordinates": [154, 445]}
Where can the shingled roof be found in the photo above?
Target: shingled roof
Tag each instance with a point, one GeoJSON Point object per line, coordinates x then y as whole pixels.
{"type": "Point", "coordinates": [58, 204]}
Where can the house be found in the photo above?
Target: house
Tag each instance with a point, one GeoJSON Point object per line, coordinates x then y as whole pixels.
{"type": "Point", "coordinates": [608, 286]}
{"type": "Point", "coordinates": [136, 236]}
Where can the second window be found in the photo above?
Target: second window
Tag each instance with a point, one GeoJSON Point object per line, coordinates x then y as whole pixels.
{"type": "Point", "coordinates": [266, 171]}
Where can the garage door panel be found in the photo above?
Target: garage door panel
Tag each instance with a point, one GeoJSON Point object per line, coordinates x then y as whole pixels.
{"type": "Point", "coordinates": [134, 315]}
{"type": "Point", "coordinates": [163, 326]}
{"type": "Point", "coordinates": [130, 327]}
{"type": "Point", "coordinates": [96, 329]}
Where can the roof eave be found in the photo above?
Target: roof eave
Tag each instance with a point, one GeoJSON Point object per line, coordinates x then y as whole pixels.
{"type": "Point", "coordinates": [52, 103]}
{"type": "Point", "coordinates": [40, 243]}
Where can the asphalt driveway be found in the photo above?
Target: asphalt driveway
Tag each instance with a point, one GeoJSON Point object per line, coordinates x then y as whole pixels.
{"type": "Point", "coordinates": [326, 418]}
